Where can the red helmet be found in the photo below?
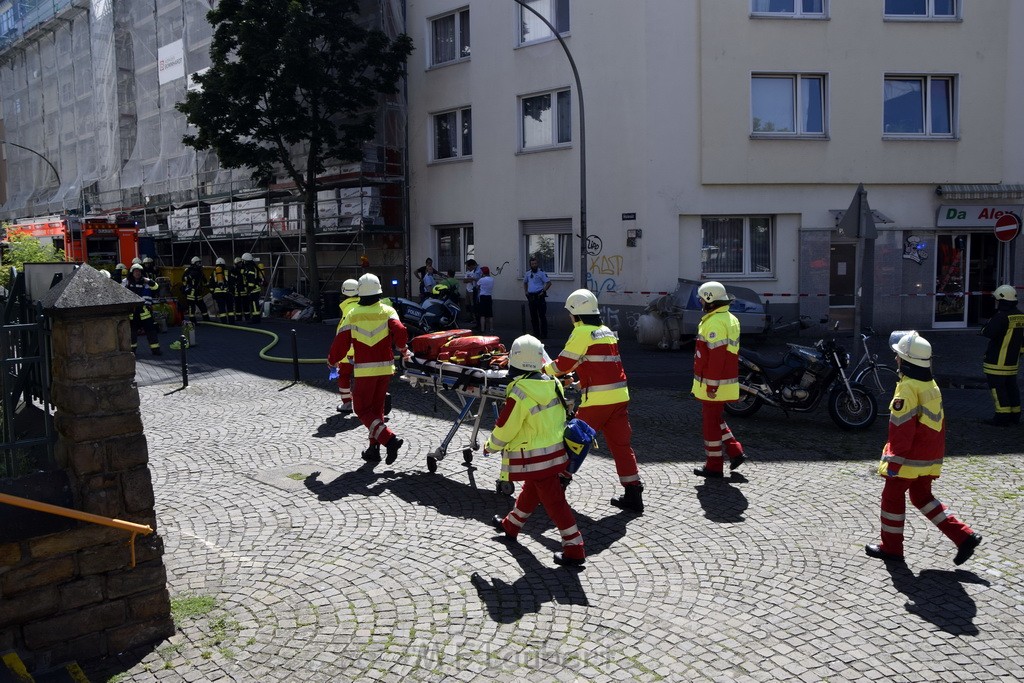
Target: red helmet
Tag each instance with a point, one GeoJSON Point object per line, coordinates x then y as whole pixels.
{"type": "Point", "coordinates": [485, 270]}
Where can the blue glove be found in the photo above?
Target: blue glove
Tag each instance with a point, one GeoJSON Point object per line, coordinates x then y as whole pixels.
{"type": "Point", "coordinates": [334, 374]}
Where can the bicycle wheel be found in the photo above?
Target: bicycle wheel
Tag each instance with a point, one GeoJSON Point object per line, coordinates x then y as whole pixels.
{"type": "Point", "coordinates": [881, 381]}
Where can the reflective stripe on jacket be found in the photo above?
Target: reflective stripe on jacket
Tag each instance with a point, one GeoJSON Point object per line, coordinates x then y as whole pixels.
{"type": "Point", "coordinates": [370, 332]}
{"type": "Point", "coordinates": [917, 431]}
{"type": "Point", "coordinates": [346, 306]}
{"type": "Point", "coordinates": [529, 430]}
{"type": "Point", "coordinates": [593, 353]}
{"type": "Point", "coordinates": [716, 356]}
{"type": "Point", "coordinates": [1005, 332]}
{"type": "Point", "coordinates": [146, 289]}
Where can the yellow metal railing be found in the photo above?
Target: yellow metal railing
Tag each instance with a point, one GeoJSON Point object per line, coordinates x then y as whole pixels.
{"type": "Point", "coordinates": [131, 527]}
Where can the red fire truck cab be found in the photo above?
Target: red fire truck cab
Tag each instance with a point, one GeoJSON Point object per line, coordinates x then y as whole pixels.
{"type": "Point", "coordinates": [96, 240]}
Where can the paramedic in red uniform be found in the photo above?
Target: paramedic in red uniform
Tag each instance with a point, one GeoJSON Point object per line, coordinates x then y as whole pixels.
{"type": "Point", "coordinates": [371, 329]}
{"type": "Point", "coordinates": [528, 434]}
{"type": "Point", "coordinates": [592, 352]}
{"type": "Point", "coordinates": [716, 377]}
{"type": "Point", "coordinates": [912, 457]}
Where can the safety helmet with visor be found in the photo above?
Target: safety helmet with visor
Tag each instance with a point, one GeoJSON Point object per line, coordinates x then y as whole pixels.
{"type": "Point", "coordinates": [1005, 293]}
{"type": "Point", "coordinates": [911, 347]}
{"type": "Point", "coordinates": [350, 287]}
{"type": "Point", "coordinates": [527, 353]}
{"type": "Point", "coordinates": [582, 302]}
{"type": "Point", "coordinates": [369, 284]}
{"type": "Point", "coordinates": [712, 291]}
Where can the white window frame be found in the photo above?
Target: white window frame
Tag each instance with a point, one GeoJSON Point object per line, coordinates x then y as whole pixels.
{"type": "Point", "coordinates": [461, 18]}
{"type": "Point", "coordinates": [929, 14]}
{"type": "Point", "coordinates": [797, 104]}
{"type": "Point", "coordinates": [926, 83]}
{"type": "Point", "coordinates": [550, 10]}
{"type": "Point", "coordinates": [556, 114]}
{"type": "Point", "coordinates": [461, 116]}
{"type": "Point", "coordinates": [466, 247]}
{"type": "Point", "coordinates": [559, 231]}
{"type": "Point", "coordinates": [747, 271]}
{"type": "Point", "coordinates": [797, 13]}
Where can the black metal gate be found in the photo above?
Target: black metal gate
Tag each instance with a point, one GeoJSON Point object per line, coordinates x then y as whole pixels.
{"type": "Point", "coordinates": [27, 437]}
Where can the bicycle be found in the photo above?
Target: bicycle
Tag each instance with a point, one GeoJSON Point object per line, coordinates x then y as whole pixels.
{"type": "Point", "coordinates": [880, 379]}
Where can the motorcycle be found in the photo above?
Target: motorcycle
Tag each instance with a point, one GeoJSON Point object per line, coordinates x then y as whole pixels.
{"type": "Point", "coordinates": [799, 380]}
{"type": "Point", "coordinates": [439, 312]}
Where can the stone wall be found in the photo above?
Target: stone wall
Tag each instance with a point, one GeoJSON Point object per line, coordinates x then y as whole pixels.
{"type": "Point", "coordinates": [73, 595]}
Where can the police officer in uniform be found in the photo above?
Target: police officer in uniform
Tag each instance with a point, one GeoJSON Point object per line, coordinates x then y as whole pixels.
{"type": "Point", "coordinates": [1005, 332]}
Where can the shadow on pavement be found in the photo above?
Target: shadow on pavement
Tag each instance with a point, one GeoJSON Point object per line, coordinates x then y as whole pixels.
{"type": "Point", "coordinates": [336, 424]}
{"type": "Point", "coordinates": [722, 502]}
{"type": "Point", "coordinates": [356, 482]}
{"type": "Point", "coordinates": [449, 497]}
{"type": "Point", "coordinates": [938, 596]}
{"type": "Point", "coordinates": [507, 603]}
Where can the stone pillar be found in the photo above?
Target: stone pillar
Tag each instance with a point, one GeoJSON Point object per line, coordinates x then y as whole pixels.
{"type": "Point", "coordinates": [73, 595]}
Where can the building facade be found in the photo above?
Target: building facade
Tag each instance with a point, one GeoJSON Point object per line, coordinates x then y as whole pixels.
{"type": "Point", "coordinates": [724, 140]}
{"type": "Point", "coordinates": [89, 87]}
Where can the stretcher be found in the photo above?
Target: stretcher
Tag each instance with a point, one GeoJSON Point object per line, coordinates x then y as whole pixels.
{"type": "Point", "coordinates": [462, 388]}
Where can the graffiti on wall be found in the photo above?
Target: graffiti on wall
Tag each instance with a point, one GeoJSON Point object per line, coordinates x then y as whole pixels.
{"type": "Point", "coordinates": [603, 269]}
{"type": "Point", "coordinates": [618, 321]}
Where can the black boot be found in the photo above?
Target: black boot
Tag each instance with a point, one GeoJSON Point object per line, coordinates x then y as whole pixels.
{"type": "Point", "coordinates": [392, 447]}
{"type": "Point", "coordinates": [372, 454]}
{"type": "Point", "coordinates": [631, 499]}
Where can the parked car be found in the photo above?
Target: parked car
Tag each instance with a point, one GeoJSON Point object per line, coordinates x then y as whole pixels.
{"type": "Point", "coordinates": [673, 316]}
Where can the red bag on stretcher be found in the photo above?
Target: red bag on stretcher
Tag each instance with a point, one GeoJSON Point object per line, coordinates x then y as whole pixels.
{"type": "Point", "coordinates": [427, 346]}
{"type": "Point", "coordinates": [472, 351]}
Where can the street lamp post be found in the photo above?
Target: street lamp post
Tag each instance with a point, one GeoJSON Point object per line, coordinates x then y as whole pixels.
{"type": "Point", "coordinates": [583, 142]}
{"type": "Point", "coordinates": [27, 149]}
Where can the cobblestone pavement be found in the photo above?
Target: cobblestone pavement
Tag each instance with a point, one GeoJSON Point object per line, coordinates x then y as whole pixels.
{"type": "Point", "coordinates": [324, 569]}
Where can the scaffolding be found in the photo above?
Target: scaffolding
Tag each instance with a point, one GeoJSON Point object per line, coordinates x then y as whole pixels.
{"type": "Point", "coordinates": [91, 85]}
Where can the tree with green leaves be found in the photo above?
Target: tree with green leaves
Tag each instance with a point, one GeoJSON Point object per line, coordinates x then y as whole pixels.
{"type": "Point", "coordinates": [22, 248]}
{"type": "Point", "coordinates": [291, 75]}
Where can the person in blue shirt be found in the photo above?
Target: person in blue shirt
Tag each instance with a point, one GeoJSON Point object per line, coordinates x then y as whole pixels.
{"type": "Point", "coordinates": [536, 284]}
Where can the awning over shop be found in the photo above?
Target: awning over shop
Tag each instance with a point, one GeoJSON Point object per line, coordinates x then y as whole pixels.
{"type": "Point", "coordinates": [988, 191]}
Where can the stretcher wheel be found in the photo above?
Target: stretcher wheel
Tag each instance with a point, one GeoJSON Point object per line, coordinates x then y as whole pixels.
{"type": "Point", "coordinates": [431, 464]}
{"type": "Point", "coordinates": [467, 456]}
{"type": "Point", "coordinates": [505, 487]}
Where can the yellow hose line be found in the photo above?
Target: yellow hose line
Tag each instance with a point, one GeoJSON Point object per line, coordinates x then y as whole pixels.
{"type": "Point", "coordinates": [263, 351]}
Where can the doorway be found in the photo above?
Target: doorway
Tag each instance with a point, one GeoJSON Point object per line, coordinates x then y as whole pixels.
{"type": "Point", "coordinates": [966, 265]}
{"type": "Point", "coordinates": [842, 283]}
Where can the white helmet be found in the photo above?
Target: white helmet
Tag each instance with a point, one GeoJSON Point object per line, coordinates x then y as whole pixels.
{"type": "Point", "coordinates": [136, 260]}
{"type": "Point", "coordinates": [350, 287]}
{"type": "Point", "coordinates": [911, 347]}
{"type": "Point", "coordinates": [247, 256]}
{"type": "Point", "coordinates": [1005, 293]}
{"type": "Point", "coordinates": [712, 291]}
{"type": "Point", "coordinates": [147, 259]}
{"type": "Point", "coordinates": [221, 262]}
{"type": "Point", "coordinates": [137, 266]}
{"type": "Point", "coordinates": [196, 260]}
{"type": "Point", "coordinates": [582, 302]}
{"type": "Point", "coordinates": [120, 266]}
{"type": "Point", "coordinates": [237, 260]}
{"type": "Point", "coordinates": [527, 353]}
{"type": "Point", "coordinates": [106, 272]}
{"type": "Point", "coordinates": [369, 285]}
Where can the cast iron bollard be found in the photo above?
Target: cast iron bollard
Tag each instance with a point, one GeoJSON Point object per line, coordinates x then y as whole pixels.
{"type": "Point", "coordinates": [184, 361]}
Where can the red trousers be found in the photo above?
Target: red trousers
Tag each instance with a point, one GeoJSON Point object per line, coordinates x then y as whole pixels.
{"type": "Point", "coordinates": [345, 382]}
{"type": "Point", "coordinates": [368, 404]}
{"type": "Point", "coordinates": [549, 493]}
{"type": "Point", "coordinates": [716, 433]}
{"type": "Point", "coordinates": [894, 507]}
{"type": "Point", "coordinates": [613, 422]}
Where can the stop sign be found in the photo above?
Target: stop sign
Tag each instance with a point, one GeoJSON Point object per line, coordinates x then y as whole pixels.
{"type": "Point", "coordinates": [1007, 227]}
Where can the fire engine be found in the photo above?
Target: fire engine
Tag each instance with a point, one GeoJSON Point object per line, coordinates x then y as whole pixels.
{"type": "Point", "coordinates": [96, 240]}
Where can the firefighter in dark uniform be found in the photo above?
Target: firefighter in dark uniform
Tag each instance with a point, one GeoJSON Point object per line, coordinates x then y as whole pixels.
{"type": "Point", "coordinates": [239, 289]}
{"type": "Point", "coordinates": [119, 274]}
{"type": "Point", "coordinates": [1005, 332]}
{"type": "Point", "coordinates": [149, 268]}
{"type": "Point", "coordinates": [192, 282]}
{"type": "Point", "coordinates": [220, 287]}
{"type": "Point", "coordinates": [139, 284]}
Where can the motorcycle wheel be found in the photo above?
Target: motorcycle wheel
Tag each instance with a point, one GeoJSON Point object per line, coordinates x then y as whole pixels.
{"type": "Point", "coordinates": [745, 406]}
{"type": "Point", "coordinates": [852, 412]}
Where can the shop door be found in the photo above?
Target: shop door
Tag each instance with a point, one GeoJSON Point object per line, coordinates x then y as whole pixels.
{"type": "Point", "coordinates": [842, 283]}
{"type": "Point", "coordinates": [965, 266]}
